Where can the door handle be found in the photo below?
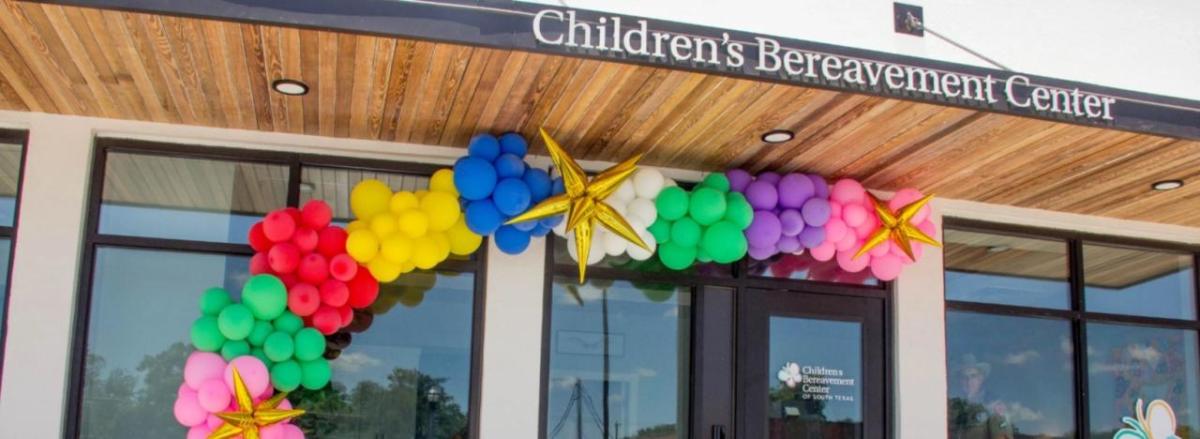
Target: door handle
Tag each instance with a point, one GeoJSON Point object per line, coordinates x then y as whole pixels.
{"type": "Point", "coordinates": [718, 432]}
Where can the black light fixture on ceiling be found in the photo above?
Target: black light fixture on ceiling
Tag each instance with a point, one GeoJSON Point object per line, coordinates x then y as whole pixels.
{"type": "Point", "coordinates": [778, 136]}
{"type": "Point", "coordinates": [290, 87]}
{"type": "Point", "coordinates": [1166, 185]}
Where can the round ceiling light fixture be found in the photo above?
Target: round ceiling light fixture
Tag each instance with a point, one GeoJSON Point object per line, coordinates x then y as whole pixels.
{"type": "Point", "coordinates": [1166, 185]}
{"type": "Point", "coordinates": [290, 87]}
{"type": "Point", "coordinates": [778, 136]}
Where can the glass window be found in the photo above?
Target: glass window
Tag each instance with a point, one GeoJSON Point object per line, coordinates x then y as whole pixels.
{"type": "Point", "coordinates": [619, 360]}
{"type": "Point", "coordinates": [1130, 363]}
{"type": "Point", "coordinates": [804, 267]}
{"type": "Point", "coordinates": [1009, 270]}
{"type": "Point", "coordinates": [815, 354]}
{"type": "Point", "coordinates": [1009, 376]}
{"type": "Point", "coordinates": [5, 254]}
{"type": "Point", "coordinates": [1139, 282]}
{"type": "Point", "coordinates": [10, 177]}
{"type": "Point", "coordinates": [188, 198]}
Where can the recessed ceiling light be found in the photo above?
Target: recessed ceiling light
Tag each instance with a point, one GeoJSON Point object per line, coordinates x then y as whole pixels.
{"type": "Point", "coordinates": [290, 87]}
{"type": "Point", "coordinates": [1167, 185]}
{"type": "Point", "coordinates": [778, 136]}
{"type": "Point", "coordinates": [307, 187]}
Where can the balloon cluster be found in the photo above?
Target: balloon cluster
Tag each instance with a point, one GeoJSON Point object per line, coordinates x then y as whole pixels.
{"type": "Point", "coordinates": [207, 389]}
{"type": "Point", "coordinates": [788, 265]}
{"type": "Point", "coordinates": [308, 254]}
{"type": "Point", "coordinates": [634, 200]}
{"type": "Point", "coordinates": [791, 212]}
{"type": "Point", "coordinates": [497, 185]}
{"type": "Point", "coordinates": [395, 233]}
{"type": "Point", "coordinates": [262, 327]}
{"type": "Point", "coordinates": [853, 220]}
{"type": "Point", "coordinates": [704, 225]}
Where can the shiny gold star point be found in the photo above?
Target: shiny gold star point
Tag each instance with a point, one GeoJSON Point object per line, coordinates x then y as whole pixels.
{"type": "Point", "coordinates": [897, 227]}
{"type": "Point", "coordinates": [249, 418]}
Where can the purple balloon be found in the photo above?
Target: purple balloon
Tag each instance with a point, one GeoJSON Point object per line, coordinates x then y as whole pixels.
{"type": "Point", "coordinates": [788, 244]}
{"type": "Point", "coordinates": [764, 230]}
{"type": "Point", "coordinates": [761, 253]}
{"type": "Point", "coordinates": [762, 195]}
{"type": "Point", "coordinates": [812, 236]}
{"type": "Point", "coordinates": [820, 186]}
{"type": "Point", "coordinates": [792, 222]}
{"type": "Point", "coordinates": [738, 179]}
{"type": "Point", "coordinates": [794, 190]}
{"type": "Point", "coordinates": [769, 177]}
{"type": "Point", "coordinates": [816, 212]}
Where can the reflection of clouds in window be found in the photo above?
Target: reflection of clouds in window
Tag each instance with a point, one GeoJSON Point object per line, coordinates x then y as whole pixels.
{"type": "Point", "coordinates": [1020, 358]}
{"type": "Point", "coordinates": [355, 362]}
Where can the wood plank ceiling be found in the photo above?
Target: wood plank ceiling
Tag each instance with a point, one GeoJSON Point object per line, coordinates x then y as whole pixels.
{"type": "Point", "coordinates": [112, 64]}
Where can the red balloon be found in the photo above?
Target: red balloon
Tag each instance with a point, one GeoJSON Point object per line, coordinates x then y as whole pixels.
{"type": "Point", "coordinates": [347, 314]}
{"type": "Point", "coordinates": [331, 241]}
{"type": "Point", "coordinates": [342, 267]}
{"type": "Point", "coordinates": [278, 226]}
{"type": "Point", "coordinates": [259, 264]}
{"type": "Point", "coordinates": [316, 214]}
{"type": "Point", "coordinates": [288, 279]}
{"type": "Point", "coordinates": [258, 240]}
{"type": "Point", "coordinates": [363, 289]}
{"type": "Point", "coordinates": [305, 238]}
{"type": "Point", "coordinates": [313, 269]}
{"type": "Point", "coordinates": [295, 214]}
{"type": "Point", "coordinates": [327, 319]}
{"type": "Point", "coordinates": [303, 299]}
{"type": "Point", "coordinates": [284, 257]}
{"type": "Point", "coordinates": [334, 293]}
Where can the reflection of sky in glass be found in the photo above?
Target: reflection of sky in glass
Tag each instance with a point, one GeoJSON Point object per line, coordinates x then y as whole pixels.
{"type": "Point", "coordinates": [1007, 290]}
{"type": "Point", "coordinates": [8, 209]}
{"type": "Point", "coordinates": [159, 222]}
{"type": "Point", "coordinates": [5, 250]}
{"type": "Point", "coordinates": [820, 343]}
{"type": "Point", "coordinates": [1171, 295]}
{"type": "Point", "coordinates": [1128, 362]}
{"type": "Point", "coordinates": [649, 340]}
{"type": "Point", "coordinates": [1030, 369]}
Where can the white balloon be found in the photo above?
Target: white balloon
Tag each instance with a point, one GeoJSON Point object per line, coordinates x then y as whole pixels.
{"type": "Point", "coordinates": [622, 208]}
{"type": "Point", "coordinates": [623, 194]}
{"type": "Point", "coordinates": [647, 182]}
{"type": "Point", "coordinates": [595, 254]}
{"type": "Point", "coordinates": [643, 210]}
{"type": "Point", "coordinates": [669, 182]}
{"type": "Point", "coordinates": [640, 254]}
{"type": "Point", "coordinates": [561, 228]}
{"type": "Point", "coordinates": [614, 244]}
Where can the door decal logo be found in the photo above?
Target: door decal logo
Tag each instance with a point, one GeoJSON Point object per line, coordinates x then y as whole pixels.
{"type": "Point", "coordinates": [790, 375]}
{"type": "Point", "coordinates": [1156, 422]}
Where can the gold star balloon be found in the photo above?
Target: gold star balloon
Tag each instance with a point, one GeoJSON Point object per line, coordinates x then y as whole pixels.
{"type": "Point", "coordinates": [583, 201]}
{"type": "Point", "coordinates": [897, 227]}
{"type": "Point", "coordinates": [249, 418]}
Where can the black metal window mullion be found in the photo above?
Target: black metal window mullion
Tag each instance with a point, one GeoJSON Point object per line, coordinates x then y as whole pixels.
{"type": "Point", "coordinates": [1079, 336]}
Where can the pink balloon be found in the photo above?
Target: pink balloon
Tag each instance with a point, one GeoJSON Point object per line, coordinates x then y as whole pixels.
{"type": "Point", "coordinates": [201, 367]}
{"type": "Point", "coordinates": [293, 432]}
{"type": "Point", "coordinates": [835, 230]}
{"type": "Point", "coordinates": [199, 432]}
{"type": "Point", "coordinates": [927, 227]}
{"type": "Point", "coordinates": [849, 263]}
{"type": "Point", "coordinates": [882, 249]}
{"type": "Point", "coordinates": [213, 395]}
{"type": "Point", "coordinates": [285, 405]}
{"type": "Point", "coordinates": [886, 267]}
{"type": "Point", "coordinates": [189, 413]}
{"type": "Point", "coordinates": [854, 214]}
{"type": "Point", "coordinates": [848, 243]}
{"type": "Point", "coordinates": [835, 209]}
{"type": "Point", "coordinates": [254, 373]}
{"type": "Point", "coordinates": [864, 230]}
{"type": "Point", "coordinates": [903, 197]}
{"type": "Point", "coordinates": [213, 422]}
{"type": "Point", "coordinates": [273, 432]}
{"type": "Point", "coordinates": [823, 252]}
{"type": "Point", "coordinates": [847, 191]}
{"type": "Point", "coordinates": [184, 389]}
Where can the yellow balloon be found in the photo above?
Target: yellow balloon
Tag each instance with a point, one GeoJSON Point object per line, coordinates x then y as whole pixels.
{"type": "Point", "coordinates": [443, 181]}
{"type": "Point", "coordinates": [397, 248]}
{"type": "Point", "coordinates": [442, 209]}
{"type": "Point", "coordinates": [421, 193]}
{"type": "Point", "coordinates": [362, 245]}
{"type": "Point", "coordinates": [402, 201]}
{"type": "Point", "coordinates": [383, 224]}
{"type": "Point", "coordinates": [425, 253]}
{"type": "Point", "coordinates": [384, 270]}
{"type": "Point", "coordinates": [356, 225]}
{"type": "Point", "coordinates": [414, 223]}
{"type": "Point", "coordinates": [443, 245]}
{"type": "Point", "coordinates": [462, 240]}
{"type": "Point", "coordinates": [369, 197]}
{"type": "Point", "coordinates": [407, 266]}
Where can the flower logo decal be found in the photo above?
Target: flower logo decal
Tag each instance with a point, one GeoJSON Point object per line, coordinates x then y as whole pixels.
{"type": "Point", "coordinates": [1156, 422]}
{"type": "Point", "coordinates": [790, 375]}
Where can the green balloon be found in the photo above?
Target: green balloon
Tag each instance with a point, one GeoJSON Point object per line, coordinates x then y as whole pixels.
{"type": "Point", "coordinates": [738, 211]}
{"type": "Point", "coordinates": [279, 346]}
{"type": "Point", "coordinates": [206, 334]}
{"type": "Point", "coordinates": [661, 229]}
{"type": "Point", "coordinates": [214, 300]}
{"type": "Point", "coordinates": [285, 376]}
{"type": "Point", "coordinates": [685, 232]}
{"type": "Point", "coordinates": [260, 355]}
{"type": "Point", "coordinates": [315, 374]}
{"type": "Point", "coordinates": [235, 348]}
{"type": "Point", "coordinates": [702, 255]}
{"type": "Point", "coordinates": [716, 180]}
{"type": "Point", "coordinates": [265, 295]}
{"type": "Point", "coordinates": [236, 322]}
{"type": "Point", "coordinates": [288, 323]}
{"type": "Point", "coordinates": [260, 332]}
{"type": "Point", "coordinates": [310, 344]}
{"type": "Point", "coordinates": [707, 205]}
{"type": "Point", "coordinates": [675, 256]}
{"type": "Point", "coordinates": [724, 241]}
{"type": "Point", "coordinates": [672, 203]}
{"type": "Point", "coordinates": [659, 295]}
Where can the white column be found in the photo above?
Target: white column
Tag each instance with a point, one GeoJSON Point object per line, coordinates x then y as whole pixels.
{"type": "Point", "coordinates": [919, 346]}
{"type": "Point", "coordinates": [46, 265]}
{"type": "Point", "coordinates": [512, 343]}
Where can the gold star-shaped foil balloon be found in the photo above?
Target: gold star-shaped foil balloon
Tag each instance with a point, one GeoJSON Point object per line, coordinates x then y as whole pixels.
{"type": "Point", "coordinates": [897, 227]}
{"type": "Point", "coordinates": [583, 201]}
{"type": "Point", "coordinates": [249, 418]}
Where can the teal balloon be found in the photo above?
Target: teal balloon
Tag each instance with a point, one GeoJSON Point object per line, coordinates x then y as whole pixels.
{"type": "Point", "coordinates": [672, 203]}
{"type": "Point", "coordinates": [675, 256]}
{"type": "Point", "coordinates": [214, 300]}
{"type": "Point", "coordinates": [288, 323]}
{"type": "Point", "coordinates": [236, 321]}
{"type": "Point", "coordinates": [315, 374]}
{"type": "Point", "coordinates": [266, 296]}
{"type": "Point", "coordinates": [286, 376]}
{"type": "Point", "coordinates": [716, 180]}
{"type": "Point", "coordinates": [260, 332]}
{"type": "Point", "coordinates": [685, 232]}
{"type": "Point", "coordinates": [234, 348]}
{"type": "Point", "coordinates": [279, 346]}
{"type": "Point", "coordinates": [724, 242]}
{"type": "Point", "coordinates": [206, 334]}
{"type": "Point", "coordinates": [661, 229]}
{"type": "Point", "coordinates": [707, 205]}
{"type": "Point", "coordinates": [738, 210]}
{"type": "Point", "coordinates": [310, 344]}
{"type": "Point", "coordinates": [258, 353]}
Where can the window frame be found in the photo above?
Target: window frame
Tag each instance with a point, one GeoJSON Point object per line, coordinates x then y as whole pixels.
{"type": "Point", "coordinates": [94, 240]}
{"type": "Point", "coordinates": [18, 137]}
{"type": "Point", "coordinates": [1076, 315]}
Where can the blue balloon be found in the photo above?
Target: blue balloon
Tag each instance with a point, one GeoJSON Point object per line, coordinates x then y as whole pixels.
{"type": "Point", "coordinates": [540, 231]}
{"type": "Point", "coordinates": [539, 183]}
{"type": "Point", "coordinates": [474, 178]}
{"type": "Point", "coordinates": [557, 187]}
{"type": "Point", "coordinates": [511, 196]}
{"type": "Point", "coordinates": [508, 165]}
{"type": "Point", "coordinates": [483, 218]}
{"type": "Point", "coordinates": [511, 240]}
{"type": "Point", "coordinates": [526, 226]}
{"type": "Point", "coordinates": [551, 222]}
{"type": "Point", "coordinates": [484, 146]}
{"type": "Point", "coordinates": [513, 143]}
